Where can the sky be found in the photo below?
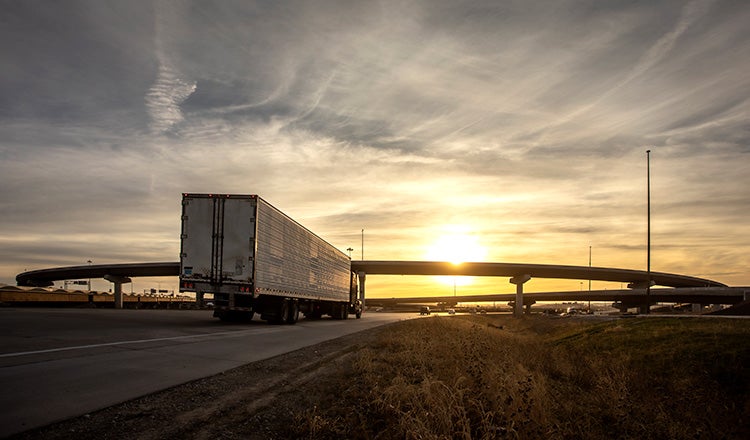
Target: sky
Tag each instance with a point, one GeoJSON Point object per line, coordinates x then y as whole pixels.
{"type": "Point", "coordinates": [507, 131]}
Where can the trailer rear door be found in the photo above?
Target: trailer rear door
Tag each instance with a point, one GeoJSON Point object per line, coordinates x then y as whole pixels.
{"type": "Point", "coordinates": [218, 238]}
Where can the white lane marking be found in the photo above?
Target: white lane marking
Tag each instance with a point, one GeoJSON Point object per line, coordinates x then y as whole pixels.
{"type": "Point", "coordinates": [137, 341]}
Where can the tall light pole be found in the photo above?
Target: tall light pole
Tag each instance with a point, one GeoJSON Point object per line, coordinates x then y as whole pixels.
{"type": "Point", "coordinates": [589, 279]}
{"type": "Point", "coordinates": [363, 244]}
{"type": "Point", "coordinates": [648, 232]}
{"type": "Point", "coordinates": [89, 261]}
{"type": "Point", "coordinates": [589, 268]}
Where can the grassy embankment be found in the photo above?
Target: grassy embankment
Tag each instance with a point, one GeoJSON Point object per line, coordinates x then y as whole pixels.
{"type": "Point", "coordinates": [494, 377]}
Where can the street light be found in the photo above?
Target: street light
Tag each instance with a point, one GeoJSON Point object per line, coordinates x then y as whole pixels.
{"type": "Point", "coordinates": [589, 268]}
{"type": "Point", "coordinates": [589, 279]}
{"type": "Point", "coordinates": [648, 233]}
{"type": "Point", "coordinates": [349, 249]}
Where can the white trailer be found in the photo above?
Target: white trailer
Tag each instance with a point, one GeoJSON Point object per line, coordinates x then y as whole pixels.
{"type": "Point", "coordinates": [255, 259]}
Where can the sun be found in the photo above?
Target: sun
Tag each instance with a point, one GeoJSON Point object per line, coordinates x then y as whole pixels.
{"type": "Point", "coordinates": [457, 245]}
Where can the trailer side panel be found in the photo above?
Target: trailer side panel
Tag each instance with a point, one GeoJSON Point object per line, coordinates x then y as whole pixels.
{"type": "Point", "coordinates": [292, 261]}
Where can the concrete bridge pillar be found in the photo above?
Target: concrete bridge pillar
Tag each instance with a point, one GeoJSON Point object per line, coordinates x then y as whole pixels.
{"type": "Point", "coordinates": [362, 277]}
{"type": "Point", "coordinates": [519, 280]}
{"type": "Point", "coordinates": [118, 282]}
{"type": "Point", "coordinates": [118, 295]}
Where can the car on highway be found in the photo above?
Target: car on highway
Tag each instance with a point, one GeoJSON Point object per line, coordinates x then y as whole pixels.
{"type": "Point", "coordinates": [424, 310]}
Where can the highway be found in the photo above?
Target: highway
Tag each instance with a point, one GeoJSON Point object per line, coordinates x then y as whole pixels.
{"type": "Point", "coordinates": [61, 363]}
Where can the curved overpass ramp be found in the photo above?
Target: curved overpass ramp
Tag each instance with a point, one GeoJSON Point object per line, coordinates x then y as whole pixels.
{"type": "Point", "coordinates": [46, 277]}
{"type": "Point", "coordinates": [533, 270]}
{"type": "Point", "coordinates": [519, 273]}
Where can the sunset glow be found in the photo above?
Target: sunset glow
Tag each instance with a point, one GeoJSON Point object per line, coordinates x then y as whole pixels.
{"type": "Point", "coordinates": [456, 247]}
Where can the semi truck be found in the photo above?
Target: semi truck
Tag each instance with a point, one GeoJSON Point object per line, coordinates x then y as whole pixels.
{"type": "Point", "coordinates": [255, 259]}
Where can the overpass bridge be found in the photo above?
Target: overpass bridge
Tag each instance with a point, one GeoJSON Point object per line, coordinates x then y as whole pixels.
{"type": "Point", "coordinates": [635, 277]}
{"type": "Point", "coordinates": [118, 274]}
{"type": "Point", "coordinates": [685, 287]}
{"type": "Point", "coordinates": [521, 273]}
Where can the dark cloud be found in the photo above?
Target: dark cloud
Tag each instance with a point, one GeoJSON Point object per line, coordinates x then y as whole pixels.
{"type": "Point", "coordinates": [75, 62]}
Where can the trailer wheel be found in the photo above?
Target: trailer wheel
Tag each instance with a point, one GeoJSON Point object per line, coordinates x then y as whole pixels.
{"type": "Point", "coordinates": [293, 313]}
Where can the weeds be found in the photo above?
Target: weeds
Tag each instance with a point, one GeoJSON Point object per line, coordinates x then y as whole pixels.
{"type": "Point", "coordinates": [488, 377]}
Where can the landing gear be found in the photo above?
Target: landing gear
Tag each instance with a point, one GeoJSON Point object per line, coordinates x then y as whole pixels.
{"type": "Point", "coordinates": [233, 315]}
{"type": "Point", "coordinates": [293, 312]}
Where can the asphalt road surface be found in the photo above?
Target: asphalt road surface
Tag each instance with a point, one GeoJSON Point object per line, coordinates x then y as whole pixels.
{"type": "Point", "coordinates": [60, 363]}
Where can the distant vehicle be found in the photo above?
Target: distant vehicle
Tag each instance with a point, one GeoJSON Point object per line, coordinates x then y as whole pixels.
{"type": "Point", "coordinates": [424, 310]}
{"type": "Point", "coordinates": [577, 310]}
{"type": "Point", "coordinates": [451, 311]}
{"type": "Point", "coordinates": [255, 259]}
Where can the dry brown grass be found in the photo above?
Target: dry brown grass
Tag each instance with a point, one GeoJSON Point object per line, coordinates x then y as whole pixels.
{"type": "Point", "coordinates": [487, 377]}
